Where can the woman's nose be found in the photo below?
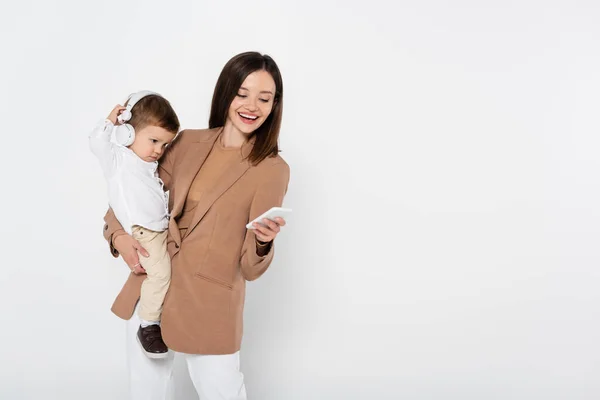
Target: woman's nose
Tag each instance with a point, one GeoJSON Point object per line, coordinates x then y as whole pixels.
{"type": "Point", "coordinates": [251, 105]}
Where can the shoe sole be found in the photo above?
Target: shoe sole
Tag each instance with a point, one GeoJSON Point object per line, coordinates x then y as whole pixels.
{"type": "Point", "coordinates": [155, 356]}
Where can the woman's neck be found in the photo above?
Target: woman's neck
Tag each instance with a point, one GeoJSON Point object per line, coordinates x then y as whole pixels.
{"type": "Point", "coordinates": [232, 137]}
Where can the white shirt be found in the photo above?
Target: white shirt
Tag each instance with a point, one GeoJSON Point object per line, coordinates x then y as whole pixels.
{"type": "Point", "coordinates": [135, 192]}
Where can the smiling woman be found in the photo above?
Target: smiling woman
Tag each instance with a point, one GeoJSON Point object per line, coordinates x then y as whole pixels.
{"type": "Point", "coordinates": [253, 101]}
{"type": "Point", "coordinates": [249, 95]}
{"type": "Point", "coordinates": [219, 179]}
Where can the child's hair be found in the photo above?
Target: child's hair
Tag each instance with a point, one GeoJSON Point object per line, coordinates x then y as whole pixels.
{"type": "Point", "coordinates": [156, 111]}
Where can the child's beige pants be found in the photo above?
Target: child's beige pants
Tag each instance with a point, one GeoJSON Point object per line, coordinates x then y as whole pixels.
{"type": "Point", "coordinates": [158, 272]}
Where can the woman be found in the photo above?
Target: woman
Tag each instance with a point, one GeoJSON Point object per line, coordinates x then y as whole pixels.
{"type": "Point", "coordinates": [218, 180]}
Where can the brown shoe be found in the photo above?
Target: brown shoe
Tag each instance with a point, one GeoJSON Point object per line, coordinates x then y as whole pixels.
{"type": "Point", "coordinates": [150, 338]}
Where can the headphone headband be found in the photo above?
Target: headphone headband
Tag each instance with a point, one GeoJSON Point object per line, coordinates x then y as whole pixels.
{"type": "Point", "coordinates": [137, 96]}
{"type": "Point", "coordinates": [131, 101]}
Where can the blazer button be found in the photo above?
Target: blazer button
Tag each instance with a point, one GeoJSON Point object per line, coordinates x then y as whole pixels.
{"type": "Point", "coordinates": [106, 227]}
{"type": "Point", "coordinates": [176, 246]}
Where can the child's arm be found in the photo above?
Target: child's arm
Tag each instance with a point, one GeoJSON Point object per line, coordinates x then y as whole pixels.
{"type": "Point", "coordinates": [101, 145]}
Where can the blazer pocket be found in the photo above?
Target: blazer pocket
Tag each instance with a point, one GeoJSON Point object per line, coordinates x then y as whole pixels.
{"type": "Point", "coordinates": [216, 281]}
{"type": "Point", "coordinates": [213, 265]}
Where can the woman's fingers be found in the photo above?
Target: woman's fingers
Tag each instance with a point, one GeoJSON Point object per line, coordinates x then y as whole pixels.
{"type": "Point", "coordinates": [280, 221]}
{"type": "Point", "coordinates": [267, 230]}
{"type": "Point", "coordinates": [272, 225]}
{"type": "Point", "coordinates": [130, 250]}
{"type": "Point", "coordinates": [131, 259]}
{"type": "Point", "coordinates": [140, 249]}
{"type": "Point", "coordinates": [138, 269]}
{"type": "Point", "coordinates": [135, 266]}
{"type": "Point", "coordinates": [261, 231]}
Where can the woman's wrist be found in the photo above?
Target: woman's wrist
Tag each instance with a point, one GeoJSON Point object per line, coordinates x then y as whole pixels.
{"type": "Point", "coordinates": [260, 243]}
{"type": "Point", "coordinates": [118, 233]}
{"type": "Point", "coordinates": [262, 248]}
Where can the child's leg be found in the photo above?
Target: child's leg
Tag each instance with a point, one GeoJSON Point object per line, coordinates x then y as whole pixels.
{"type": "Point", "coordinates": [158, 273]}
{"type": "Point", "coordinates": [154, 288]}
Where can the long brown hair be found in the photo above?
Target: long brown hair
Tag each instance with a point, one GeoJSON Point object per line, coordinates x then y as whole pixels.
{"type": "Point", "coordinates": [232, 76]}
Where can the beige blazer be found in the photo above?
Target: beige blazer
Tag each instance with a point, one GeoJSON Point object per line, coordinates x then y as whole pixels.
{"type": "Point", "coordinates": [203, 308]}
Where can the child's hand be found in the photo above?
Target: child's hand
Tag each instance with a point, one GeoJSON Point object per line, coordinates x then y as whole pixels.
{"type": "Point", "coordinates": [112, 117]}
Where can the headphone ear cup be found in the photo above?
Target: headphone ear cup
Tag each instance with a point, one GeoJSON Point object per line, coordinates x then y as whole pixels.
{"type": "Point", "coordinates": [125, 135]}
{"type": "Point", "coordinates": [124, 116]}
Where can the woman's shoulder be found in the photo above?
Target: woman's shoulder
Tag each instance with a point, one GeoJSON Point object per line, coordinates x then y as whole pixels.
{"type": "Point", "coordinates": [272, 168]}
{"type": "Point", "coordinates": [199, 135]}
{"type": "Point", "coordinates": [276, 162]}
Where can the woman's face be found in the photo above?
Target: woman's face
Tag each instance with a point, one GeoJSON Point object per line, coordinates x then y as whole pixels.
{"type": "Point", "coordinates": [253, 102]}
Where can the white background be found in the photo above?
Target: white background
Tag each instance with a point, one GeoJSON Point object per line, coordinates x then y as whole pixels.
{"type": "Point", "coordinates": [445, 187]}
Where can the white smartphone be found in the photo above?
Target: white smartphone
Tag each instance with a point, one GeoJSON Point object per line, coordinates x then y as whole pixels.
{"type": "Point", "coordinates": [275, 212]}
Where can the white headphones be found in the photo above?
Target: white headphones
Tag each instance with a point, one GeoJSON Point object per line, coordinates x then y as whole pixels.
{"type": "Point", "coordinates": [125, 133]}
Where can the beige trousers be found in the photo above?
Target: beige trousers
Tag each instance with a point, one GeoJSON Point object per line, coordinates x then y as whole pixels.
{"type": "Point", "coordinates": [158, 272]}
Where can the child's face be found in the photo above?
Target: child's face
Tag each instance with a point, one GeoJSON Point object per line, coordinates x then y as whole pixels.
{"type": "Point", "coordinates": [150, 142]}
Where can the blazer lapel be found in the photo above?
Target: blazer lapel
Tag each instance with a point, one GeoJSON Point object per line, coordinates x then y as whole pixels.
{"type": "Point", "coordinates": [224, 182]}
{"type": "Point", "coordinates": [189, 167]}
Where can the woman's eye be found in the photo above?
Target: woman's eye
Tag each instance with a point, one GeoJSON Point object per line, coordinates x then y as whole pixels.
{"type": "Point", "coordinates": [154, 140]}
{"type": "Point", "coordinates": [265, 100]}
{"type": "Point", "coordinates": [243, 96]}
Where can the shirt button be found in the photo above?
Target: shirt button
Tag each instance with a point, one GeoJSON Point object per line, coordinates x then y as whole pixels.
{"type": "Point", "coordinates": [176, 246]}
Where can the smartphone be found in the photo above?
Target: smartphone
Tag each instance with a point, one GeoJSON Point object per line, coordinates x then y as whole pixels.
{"type": "Point", "coordinates": [273, 213]}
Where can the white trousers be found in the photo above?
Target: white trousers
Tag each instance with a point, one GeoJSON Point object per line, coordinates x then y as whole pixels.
{"type": "Point", "coordinates": [215, 377]}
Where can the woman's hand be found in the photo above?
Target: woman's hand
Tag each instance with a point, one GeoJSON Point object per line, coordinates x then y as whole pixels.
{"type": "Point", "coordinates": [128, 247]}
{"type": "Point", "coordinates": [112, 117]}
{"type": "Point", "coordinates": [268, 229]}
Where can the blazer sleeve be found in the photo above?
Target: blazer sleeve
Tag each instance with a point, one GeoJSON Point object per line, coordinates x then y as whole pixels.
{"type": "Point", "coordinates": [112, 226]}
{"type": "Point", "coordinates": [270, 193]}
{"type": "Point", "coordinates": [112, 230]}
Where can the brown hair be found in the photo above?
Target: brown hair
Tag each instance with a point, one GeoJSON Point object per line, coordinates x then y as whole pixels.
{"type": "Point", "coordinates": [156, 111]}
{"type": "Point", "coordinates": [232, 76]}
